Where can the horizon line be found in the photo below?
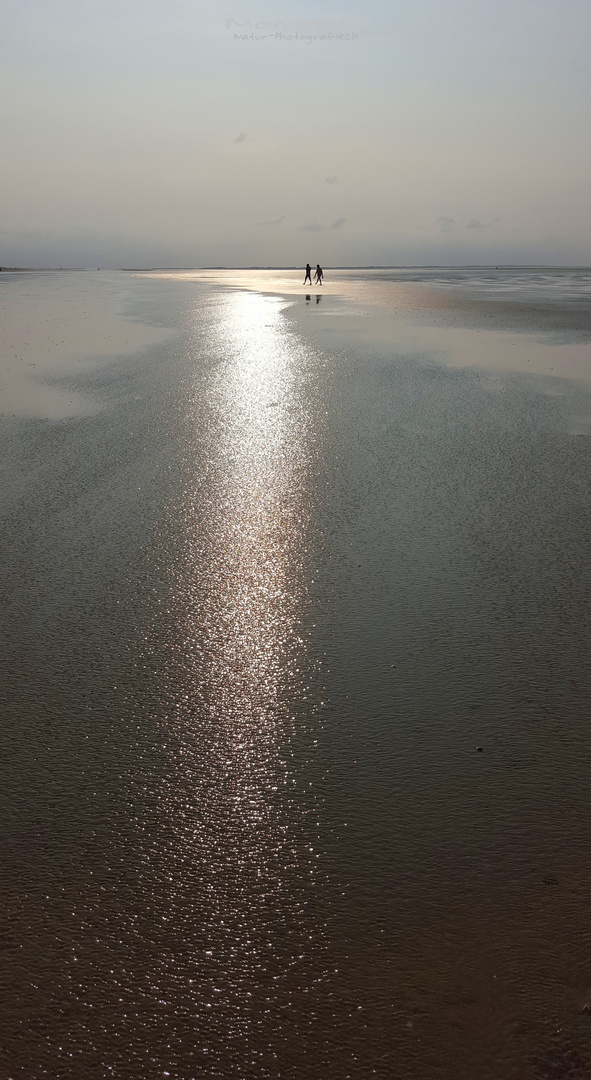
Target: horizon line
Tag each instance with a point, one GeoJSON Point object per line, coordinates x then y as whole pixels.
{"type": "Point", "coordinates": [360, 266]}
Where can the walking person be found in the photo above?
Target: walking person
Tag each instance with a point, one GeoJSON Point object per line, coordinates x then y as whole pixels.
{"type": "Point", "coordinates": [308, 276]}
{"type": "Point", "coordinates": [318, 275]}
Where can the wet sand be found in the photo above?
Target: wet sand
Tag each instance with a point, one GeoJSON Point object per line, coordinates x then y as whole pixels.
{"type": "Point", "coordinates": [266, 601]}
{"type": "Point", "coordinates": [58, 324]}
{"type": "Point", "coordinates": [456, 318]}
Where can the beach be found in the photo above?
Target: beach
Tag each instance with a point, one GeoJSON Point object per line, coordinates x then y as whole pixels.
{"type": "Point", "coordinates": [295, 684]}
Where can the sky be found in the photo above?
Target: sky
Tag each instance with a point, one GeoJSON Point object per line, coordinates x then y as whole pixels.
{"type": "Point", "coordinates": [140, 133]}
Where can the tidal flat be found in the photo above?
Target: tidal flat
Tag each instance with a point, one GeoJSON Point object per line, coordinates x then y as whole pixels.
{"type": "Point", "coordinates": [295, 675]}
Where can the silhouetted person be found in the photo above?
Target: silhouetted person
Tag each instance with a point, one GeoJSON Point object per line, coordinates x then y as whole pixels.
{"type": "Point", "coordinates": [308, 276]}
{"type": "Point", "coordinates": [318, 274]}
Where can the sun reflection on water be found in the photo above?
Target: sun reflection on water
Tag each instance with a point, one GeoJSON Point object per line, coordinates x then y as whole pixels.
{"type": "Point", "coordinates": [239, 863]}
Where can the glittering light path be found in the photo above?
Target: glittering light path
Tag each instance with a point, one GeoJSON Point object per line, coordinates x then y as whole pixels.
{"type": "Point", "coordinates": [239, 862]}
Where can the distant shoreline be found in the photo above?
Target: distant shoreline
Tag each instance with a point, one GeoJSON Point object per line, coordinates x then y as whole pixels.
{"type": "Point", "coordinates": [372, 266]}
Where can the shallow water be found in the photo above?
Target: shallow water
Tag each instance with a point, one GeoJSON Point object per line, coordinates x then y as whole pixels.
{"type": "Point", "coordinates": [266, 595]}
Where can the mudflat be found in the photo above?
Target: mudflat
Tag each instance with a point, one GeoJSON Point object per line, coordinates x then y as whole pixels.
{"type": "Point", "coordinates": [295, 676]}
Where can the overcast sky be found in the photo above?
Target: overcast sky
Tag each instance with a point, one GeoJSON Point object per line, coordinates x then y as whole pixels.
{"type": "Point", "coordinates": [160, 133]}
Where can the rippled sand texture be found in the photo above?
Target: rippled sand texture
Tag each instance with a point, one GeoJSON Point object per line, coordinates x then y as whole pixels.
{"type": "Point", "coordinates": [295, 679]}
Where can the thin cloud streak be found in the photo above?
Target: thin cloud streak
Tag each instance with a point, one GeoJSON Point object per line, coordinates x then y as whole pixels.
{"type": "Point", "coordinates": [445, 222]}
{"type": "Point", "coordinates": [316, 226]}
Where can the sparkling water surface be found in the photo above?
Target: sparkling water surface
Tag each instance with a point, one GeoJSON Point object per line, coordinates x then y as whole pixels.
{"type": "Point", "coordinates": [295, 655]}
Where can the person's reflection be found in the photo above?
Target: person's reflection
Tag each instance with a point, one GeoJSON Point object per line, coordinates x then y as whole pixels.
{"type": "Point", "coordinates": [307, 298]}
{"type": "Point", "coordinates": [318, 299]}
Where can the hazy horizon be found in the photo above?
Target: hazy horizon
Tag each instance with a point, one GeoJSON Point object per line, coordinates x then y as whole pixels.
{"type": "Point", "coordinates": [174, 134]}
{"type": "Point", "coordinates": [368, 266]}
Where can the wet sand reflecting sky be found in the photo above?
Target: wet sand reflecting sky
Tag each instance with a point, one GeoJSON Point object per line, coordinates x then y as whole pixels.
{"type": "Point", "coordinates": [268, 591]}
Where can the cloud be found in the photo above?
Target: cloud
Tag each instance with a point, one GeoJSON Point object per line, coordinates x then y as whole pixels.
{"type": "Point", "coordinates": [270, 221]}
{"type": "Point", "coordinates": [317, 226]}
{"type": "Point", "coordinates": [447, 223]}
{"type": "Point", "coordinates": [241, 137]}
{"type": "Point", "coordinates": [331, 180]}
